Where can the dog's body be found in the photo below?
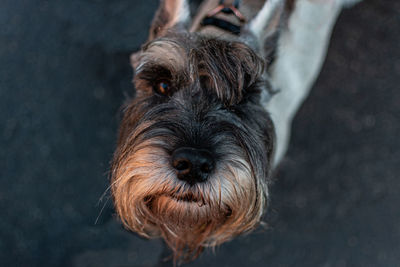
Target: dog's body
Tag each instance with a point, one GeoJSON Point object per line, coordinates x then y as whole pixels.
{"type": "Point", "coordinates": [215, 100]}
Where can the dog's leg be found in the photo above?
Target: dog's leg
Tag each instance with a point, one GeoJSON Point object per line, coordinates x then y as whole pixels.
{"type": "Point", "coordinates": [301, 52]}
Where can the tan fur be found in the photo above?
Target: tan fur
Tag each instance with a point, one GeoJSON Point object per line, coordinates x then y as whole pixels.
{"type": "Point", "coordinates": [146, 197]}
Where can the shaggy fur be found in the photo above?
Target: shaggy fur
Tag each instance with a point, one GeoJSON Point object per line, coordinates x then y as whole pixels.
{"type": "Point", "coordinates": [214, 91]}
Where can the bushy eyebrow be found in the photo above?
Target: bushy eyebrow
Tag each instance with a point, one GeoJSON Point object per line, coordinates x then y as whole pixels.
{"type": "Point", "coordinates": [153, 71]}
{"type": "Point", "coordinates": [225, 68]}
{"type": "Point", "coordinates": [228, 68]}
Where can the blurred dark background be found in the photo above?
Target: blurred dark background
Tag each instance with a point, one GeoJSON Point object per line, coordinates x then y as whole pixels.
{"type": "Point", "coordinates": [64, 73]}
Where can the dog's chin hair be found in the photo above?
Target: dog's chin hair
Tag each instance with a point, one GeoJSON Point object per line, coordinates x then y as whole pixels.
{"type": "Point", "coordinates": [150, 200]}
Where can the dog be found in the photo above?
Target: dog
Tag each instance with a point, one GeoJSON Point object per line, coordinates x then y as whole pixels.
{"type": "Point", "coordinates": [217, 86]}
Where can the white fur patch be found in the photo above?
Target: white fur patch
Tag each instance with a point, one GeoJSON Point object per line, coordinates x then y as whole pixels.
{"type": "Point", "coordinates": [301, 52]}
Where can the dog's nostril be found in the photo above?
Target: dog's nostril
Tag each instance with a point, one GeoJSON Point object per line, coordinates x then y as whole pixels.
{"type": "Point", "coordinates": [181, 165]}
{"type": "Point", "coordinates": [192, 165]}
{"type": "Point", "coordinates": [205, 167]}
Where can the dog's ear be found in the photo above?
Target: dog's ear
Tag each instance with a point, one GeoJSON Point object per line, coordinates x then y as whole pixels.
{"type": "Point", "coordinates": [170, 14]}
{"type": "Point", "coordinates": [262, 31]}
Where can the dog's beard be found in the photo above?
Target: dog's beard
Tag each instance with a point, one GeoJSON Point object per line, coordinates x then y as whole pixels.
{"type": "Point", "coordinates": [153, 202]}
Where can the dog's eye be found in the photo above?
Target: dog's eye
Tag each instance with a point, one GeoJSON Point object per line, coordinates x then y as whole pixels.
{"type": "Point", "coordinates": [162, 88]}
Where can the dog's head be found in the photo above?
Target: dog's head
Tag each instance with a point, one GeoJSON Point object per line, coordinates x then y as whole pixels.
{"type": "Point", "coordinates": [195, 145]}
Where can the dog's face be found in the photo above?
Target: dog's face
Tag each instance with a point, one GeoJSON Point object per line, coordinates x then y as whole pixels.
{"type": "Point", "coordinates": [195, 144]}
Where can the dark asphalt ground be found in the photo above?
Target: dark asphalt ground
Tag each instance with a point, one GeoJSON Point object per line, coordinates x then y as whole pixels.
{"type": "Point", "coordinates": [64, 74]}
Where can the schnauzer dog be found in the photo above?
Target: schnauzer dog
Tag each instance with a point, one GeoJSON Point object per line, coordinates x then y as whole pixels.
{"type": "Point", "coordinates": [217, 85]}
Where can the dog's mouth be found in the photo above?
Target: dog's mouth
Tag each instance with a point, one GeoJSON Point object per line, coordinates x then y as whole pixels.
{"type": "Point", "coordinates": [187, 200]}
{"type": "Point", "coordinates": [187, 197]}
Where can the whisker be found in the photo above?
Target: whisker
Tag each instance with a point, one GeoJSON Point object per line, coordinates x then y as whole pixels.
{"type": "Point", "coordinates": [101, 211]}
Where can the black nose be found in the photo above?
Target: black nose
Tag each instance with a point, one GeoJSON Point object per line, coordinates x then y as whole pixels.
{"type": "Point", "coordinates": [192, 165]}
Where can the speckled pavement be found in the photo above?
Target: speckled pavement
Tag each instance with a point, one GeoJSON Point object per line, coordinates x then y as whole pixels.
{"type": "Point", "coordinates": [64, 74]}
